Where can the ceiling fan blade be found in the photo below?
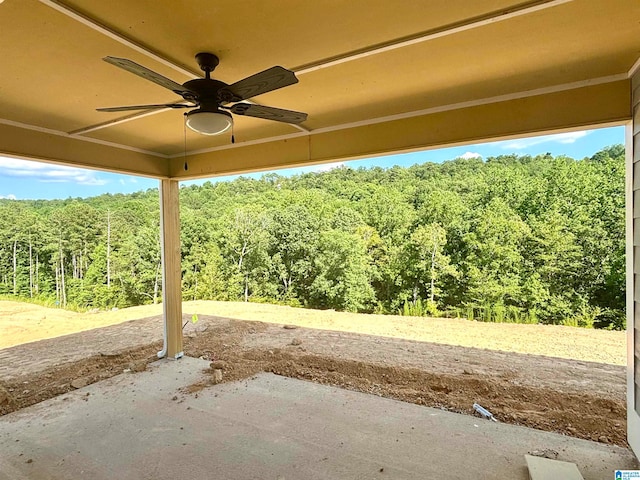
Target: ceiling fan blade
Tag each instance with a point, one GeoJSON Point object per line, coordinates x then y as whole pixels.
{"type": "Point", "coordinates": [263, 82]}
{"type": "Point", "coordinates": [145, 73]}
{"type": "Point", "coordinates": [144, 107]}
{"type": "Point", "coordinates": [268, 113]}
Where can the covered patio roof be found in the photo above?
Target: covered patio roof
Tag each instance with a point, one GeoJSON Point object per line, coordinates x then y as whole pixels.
{"type": "Point", "coordinates": [375, 77]}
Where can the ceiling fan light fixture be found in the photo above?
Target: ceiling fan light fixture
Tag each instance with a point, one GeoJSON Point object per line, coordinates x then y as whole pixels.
{"type": "Point", "coordinates": [209, 121]}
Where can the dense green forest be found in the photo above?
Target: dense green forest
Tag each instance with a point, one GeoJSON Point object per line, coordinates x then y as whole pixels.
{"type": "Point", "coordinates": [510, 238]}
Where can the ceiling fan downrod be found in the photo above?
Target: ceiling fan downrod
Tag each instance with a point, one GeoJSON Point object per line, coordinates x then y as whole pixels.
{"type": "Point", "coordinates": [207, 62]}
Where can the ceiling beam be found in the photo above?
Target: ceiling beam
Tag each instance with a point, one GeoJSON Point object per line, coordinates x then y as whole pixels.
{"type": "Point", "coordinates": [29, 143]}
{"type": "Point", "coordinates": [602, 104]}
{"type": "Point", "coordinates": [418, 113]}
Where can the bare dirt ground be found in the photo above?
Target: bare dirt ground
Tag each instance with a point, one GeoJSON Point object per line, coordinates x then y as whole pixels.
{"type": "Point", "coordinates": [560, 379]}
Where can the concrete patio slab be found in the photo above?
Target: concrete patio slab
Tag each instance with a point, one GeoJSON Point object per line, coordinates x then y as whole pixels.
{"type": "Point", "coordinates": [141, 426]}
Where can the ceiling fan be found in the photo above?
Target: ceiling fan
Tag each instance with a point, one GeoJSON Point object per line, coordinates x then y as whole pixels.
{"type": "Point", "coordinates": [210, 97]}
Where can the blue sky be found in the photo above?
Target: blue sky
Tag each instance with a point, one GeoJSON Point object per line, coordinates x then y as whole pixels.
{"type": "Point", "coordinates": [21, 179]}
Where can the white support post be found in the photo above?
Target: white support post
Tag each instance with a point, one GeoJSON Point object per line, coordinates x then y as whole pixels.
{"type": "Point", "coordinates": [171, 269]}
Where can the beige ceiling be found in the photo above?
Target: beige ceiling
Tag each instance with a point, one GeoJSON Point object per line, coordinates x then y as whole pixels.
{"type": "Point", "coordinates": [375, 76]}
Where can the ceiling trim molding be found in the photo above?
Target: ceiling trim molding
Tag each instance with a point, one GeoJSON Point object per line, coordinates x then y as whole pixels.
{"type": "Point", "coordinates": [50, 146]}
{"type": "Point", "coordinates": [417, 113]}
{"type": "Point", "coordinates": [118, 37]}
{"type": "Point", "coordinates": [475, 103]}
{"type": "Point", "coordinates": [117, 121]}
{"type": "Point", "coordinates": [59, 133]}
{"type": "Point", "coordinates": [452, 29]}
{"type": "Point", "coordinates": [300, 127]}
{"type": "Point", "coordinates": [634, 68]}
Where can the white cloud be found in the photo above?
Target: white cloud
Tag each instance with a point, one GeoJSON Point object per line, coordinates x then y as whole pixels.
{"type": "Point", "coordinates": [564, 138]}
{"type": "Point", "coordinates": [329, 166]}
{"type": "Point", "coordinates": [127, 180]}
{"type": "Point", "coordinates": [48, 173]}
{"type": "Point", "coordinates": [11, 196]}
{"type": "Point", "coordinates": [467, 155]}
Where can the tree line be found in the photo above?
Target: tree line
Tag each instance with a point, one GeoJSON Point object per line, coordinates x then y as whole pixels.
{"type": "Point", "coordinates": [509, 238]}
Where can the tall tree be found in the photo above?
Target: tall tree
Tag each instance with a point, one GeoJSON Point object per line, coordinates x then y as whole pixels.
{"type": "Point", "coordinates": [428, 262]}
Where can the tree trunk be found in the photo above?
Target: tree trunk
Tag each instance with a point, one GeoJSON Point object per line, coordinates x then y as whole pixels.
{"type": "Point", "coordinates": [30, 268]}
{"type": "Point", "coordinates": [156, 284]}
{"type": "Point", "coordinates": [74, 265]}
{"type": "Point", "coordinates": [287, 284]}
{"type": "Point", "coordinates": [15, 267]}
{"type": "Point", "coordinates": [36, 281]}
{"type": "Point", "coordinates": [195, 284]}
{"type": "Point", "coordinates": [109, 249]}
{"type": "Point", "coordinates": [246, 277]}
{"type": "Point", "coordinates": [57, 283]}
{"type": "Point", "coordinates": [433, 272]}
{"type": "Point", "coordinates": [63, 292]}
{"type": "Point", "coordinates": [85, 264]}
{"type": "Point", "coordinates": [243, 252]}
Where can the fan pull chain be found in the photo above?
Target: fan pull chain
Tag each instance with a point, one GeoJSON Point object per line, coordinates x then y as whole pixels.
{"type": "Point", "coordinates": [186, 166]}
{"type": "Point", "coordinates": [233, 136]}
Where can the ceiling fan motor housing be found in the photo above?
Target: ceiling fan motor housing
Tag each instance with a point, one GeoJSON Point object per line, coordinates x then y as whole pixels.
{"type": "Point", "coordinates": [206, 89]}
{"type": "Point", "coordinates": [207, 61]}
